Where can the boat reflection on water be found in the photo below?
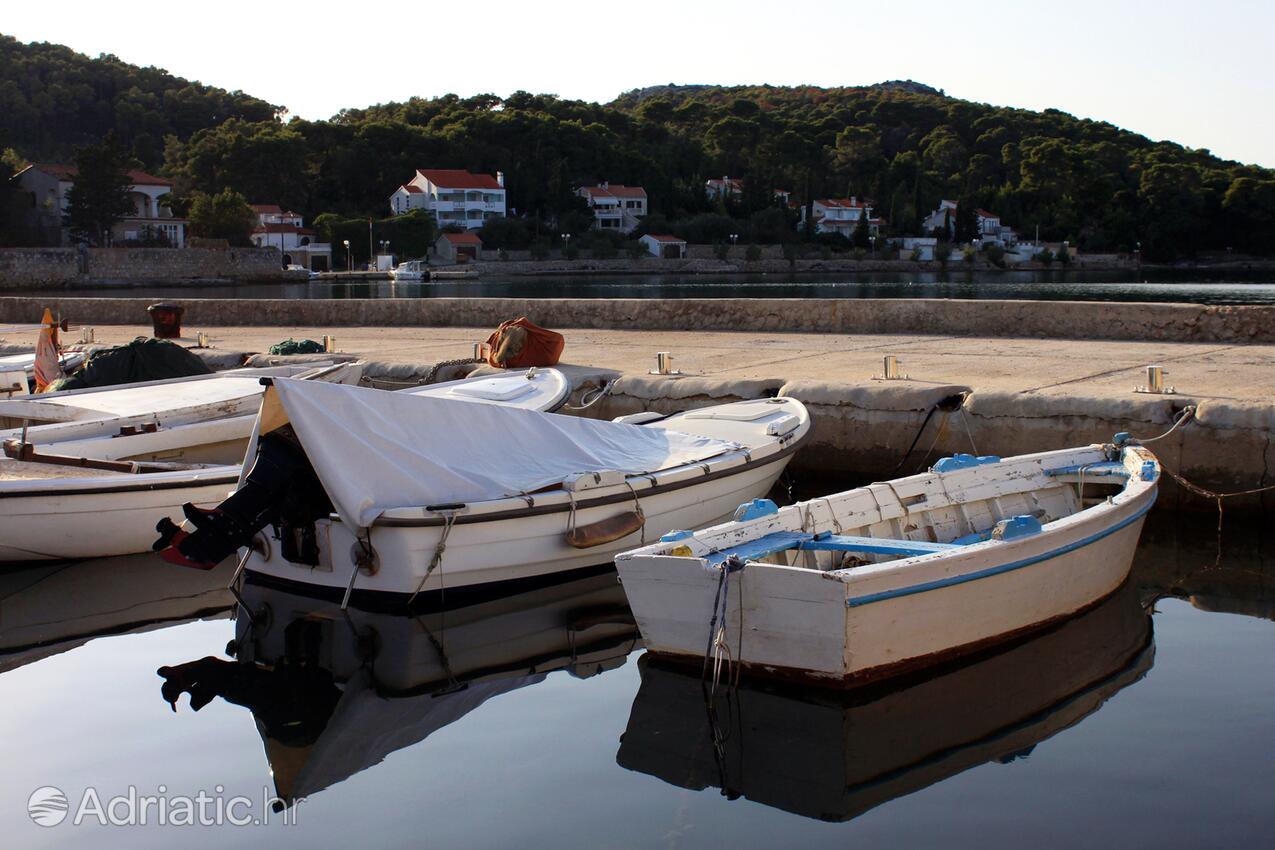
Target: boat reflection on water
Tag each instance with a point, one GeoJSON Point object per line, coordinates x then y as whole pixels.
{"type": "Point", "coordinates": [49, 608]}
{"type": "Point", "coordinates": [835, 755]}
{"type": "Point", "coordinates": [334, 693]}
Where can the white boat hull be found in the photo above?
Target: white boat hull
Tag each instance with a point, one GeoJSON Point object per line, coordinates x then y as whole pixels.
{"type": "Point", "coordinates": [497, 550]}
{"type": "Point", "coordinates": [878, 620]}
{"type": "Point", "coordinates": [100, 517]}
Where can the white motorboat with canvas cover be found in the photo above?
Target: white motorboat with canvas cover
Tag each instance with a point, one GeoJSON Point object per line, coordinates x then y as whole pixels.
{"type": "Point", "coordinates": [421, 494]}
{"type": "Point", "coordinates": [886, 578]}
{"type": "Point", "coordinates": [224, 439]}
{"type": "Point", "coordinates": [106, 497]}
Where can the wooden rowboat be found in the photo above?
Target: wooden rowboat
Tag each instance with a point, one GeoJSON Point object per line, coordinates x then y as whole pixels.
{"type": "Point", "coordinates": [890, 577]}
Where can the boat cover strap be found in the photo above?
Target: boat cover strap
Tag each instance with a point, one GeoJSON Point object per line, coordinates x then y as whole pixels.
{"type": "Point", "coordinates": [781, 541]}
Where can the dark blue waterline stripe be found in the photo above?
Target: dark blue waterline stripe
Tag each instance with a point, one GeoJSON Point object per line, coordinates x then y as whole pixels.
{"type": "Point", "coordinates": [1003, 568]}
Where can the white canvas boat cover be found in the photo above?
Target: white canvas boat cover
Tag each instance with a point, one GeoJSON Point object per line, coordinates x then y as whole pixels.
{"type": "Point", "coordinates": [375, 450]}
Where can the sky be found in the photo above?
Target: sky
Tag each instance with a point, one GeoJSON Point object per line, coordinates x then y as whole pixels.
{"type": "Point", "coordinates": [1194, 73]}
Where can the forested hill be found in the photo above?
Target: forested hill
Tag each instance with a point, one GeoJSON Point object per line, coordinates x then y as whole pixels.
{"type": "Point", "coordinates": [903, 144]}
{"type": "Point", "coordinates": [53, 100]}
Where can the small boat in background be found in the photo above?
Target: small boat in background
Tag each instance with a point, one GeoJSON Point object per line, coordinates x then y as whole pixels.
{"type": "Point", "coordinates": [891, 577]}
{"type": "Point", "coordinates": [411, 270]}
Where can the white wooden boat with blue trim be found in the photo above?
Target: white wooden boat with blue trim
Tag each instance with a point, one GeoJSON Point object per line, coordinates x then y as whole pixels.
{"type": "Point", "coordinates": [893, 576]}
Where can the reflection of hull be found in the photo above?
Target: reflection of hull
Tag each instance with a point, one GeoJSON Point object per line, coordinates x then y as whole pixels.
{"type": "Point", "coordinates": [49, 609]}
{"type": "Point", "coordinates": [334, 695]}
{"type": "Point", "coordinates": [834, 756]}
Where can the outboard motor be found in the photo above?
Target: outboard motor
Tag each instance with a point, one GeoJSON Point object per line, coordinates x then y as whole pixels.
{"type": "Point", "coordinates": [280, 489]}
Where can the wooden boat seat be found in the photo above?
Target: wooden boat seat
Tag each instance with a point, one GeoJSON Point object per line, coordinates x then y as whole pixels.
{"type": "Point", "coordinates": [782, 541]}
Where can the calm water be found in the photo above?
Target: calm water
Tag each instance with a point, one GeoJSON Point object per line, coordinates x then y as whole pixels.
{"type": "Point", "coordinates": [536, 721]}
{"type": "Point", "coordinates": [1229, 288]}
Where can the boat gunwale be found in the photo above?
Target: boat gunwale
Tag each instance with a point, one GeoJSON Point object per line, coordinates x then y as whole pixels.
{"type": "Point", "coordinates": [582, 503]}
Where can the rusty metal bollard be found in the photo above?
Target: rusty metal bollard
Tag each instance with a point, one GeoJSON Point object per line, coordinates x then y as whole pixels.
{"type": "Point", "coordinates": [166, 320]}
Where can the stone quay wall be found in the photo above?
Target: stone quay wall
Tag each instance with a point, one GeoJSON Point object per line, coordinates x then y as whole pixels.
{"type": "Point", "coordinates": [935, 317]}
{"type": "Point", "coordinates": [46, 268]}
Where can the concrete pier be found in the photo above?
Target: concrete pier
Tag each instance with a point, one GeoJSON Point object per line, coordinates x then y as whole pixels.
{"type": "Point", "coordinates": [995, 395]}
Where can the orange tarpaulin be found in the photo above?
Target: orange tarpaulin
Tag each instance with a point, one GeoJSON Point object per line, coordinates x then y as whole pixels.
{"type": "Point", "coordinates": [521, 343]}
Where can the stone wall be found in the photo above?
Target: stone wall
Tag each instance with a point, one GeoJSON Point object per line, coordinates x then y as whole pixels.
{"type": "Point", "coordinates": [40, 268]}
{"type": "Point", "coordinates": [1029, 319]}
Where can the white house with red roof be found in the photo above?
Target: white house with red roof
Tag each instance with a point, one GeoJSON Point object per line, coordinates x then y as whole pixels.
{"type": "Point", "coordinates": [453, 195]}
{"type": "Point", "coordinates": [283, 229]}
{"type": "Point", "coordinates": [725, 187]}
{"type": "Point", "coordinates": [990, 229]}
{"type": "Point", "coordinates": [151, 220]}
{"type": "Point", "coordinates": [664, 245]}
{"type": "Point", "coordinates": [841, 215]}
{"type": "Point", "coordinates": [615, 207]}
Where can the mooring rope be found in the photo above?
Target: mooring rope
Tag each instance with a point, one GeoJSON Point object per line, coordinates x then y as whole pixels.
{"type": "Point", "coordinates": [602, 392]}
{"type": "Point", "coordinates": [449, 519]}
{"type": "Point", "coordinates": [718, 653]}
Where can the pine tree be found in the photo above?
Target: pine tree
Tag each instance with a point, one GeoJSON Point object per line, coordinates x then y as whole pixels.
{"type": "Point", "coordinates": [100, 196]}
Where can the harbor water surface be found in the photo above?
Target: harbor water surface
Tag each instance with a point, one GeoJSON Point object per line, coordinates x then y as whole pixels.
{"type": "Point", "coordinates": [1180, 286]}
{"type": "Point", "coordinates": [537, 721]}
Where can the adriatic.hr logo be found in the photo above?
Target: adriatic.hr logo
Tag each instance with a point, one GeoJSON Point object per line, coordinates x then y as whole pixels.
{"type": "Point", "coordinates": [48, 806]}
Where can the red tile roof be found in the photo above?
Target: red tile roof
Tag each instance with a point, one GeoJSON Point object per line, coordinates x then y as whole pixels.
{"type": "Point", "coordinates": [414, 190]}
{"type": "Point", "coordinates": [268, 209]}
{"type": "Point", "coordinates": [614, 190]}
{"type": "Point", "coordinates": [841, 202]}
{"type": "Point", "coordinates": [457, 178]}
{"type": "Point", "coordinates": [664, 237]}
{"type": "Point", "coordinates": [986, 214]}
{"type": "Point", "coordinates": [463, 239]}
{"type": "Point", "coordinates": [68, 172]}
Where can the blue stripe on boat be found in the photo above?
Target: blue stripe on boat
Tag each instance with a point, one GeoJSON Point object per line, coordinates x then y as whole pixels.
{"type": "Point", "coordinates": [868, 599]}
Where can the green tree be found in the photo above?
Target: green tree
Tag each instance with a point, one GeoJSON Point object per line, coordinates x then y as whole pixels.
{"type": "Point", "coordinates": [966, 224]}
{"type": "Point", "coordinates": [861, 236]}
{"type": "Point", "coordinates": [100, 196]}
{"type": "Point", "coordinates": [226, 215]}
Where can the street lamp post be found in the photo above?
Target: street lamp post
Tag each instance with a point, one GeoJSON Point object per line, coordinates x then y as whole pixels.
{"type": "Point", "coordinates": [349, 261]}
{"type": "Point", "coordinates": [734, 238]}
{"type": "Point", "coordinates": [1137, 255]}
{"type": "Point", "coordinates": [566, 242]}
{"type": "Point", "coordinates": [872, 243]}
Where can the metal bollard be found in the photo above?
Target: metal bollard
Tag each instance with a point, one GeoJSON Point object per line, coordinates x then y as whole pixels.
{"type": "Point", "coordinates": [890, 370]}
{"type": "Point", "coordinates": [329, 344]}
{"type": "Point", "coordinates": [1155, 382]}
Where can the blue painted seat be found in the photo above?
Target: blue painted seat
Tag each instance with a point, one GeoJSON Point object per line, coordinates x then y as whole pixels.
{"type": "Point", "coordinates": [782, 541]}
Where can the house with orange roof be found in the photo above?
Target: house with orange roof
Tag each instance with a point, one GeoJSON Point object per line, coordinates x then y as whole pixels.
{"type": "Point", "coordinates": [150, 220]}
{"type": "Point", "coordinates": [665, 246]}
{"type": "Point", "coordinates": [841, 215]}
{"type": "Point", "coordinates": [615, 207]}
{"type": "Point", "coordinates": [990, 229]}
{"type": "Point", "coordinates": [458, 247]}
{"type": "Point", "coordinates": [284, 229]}
{"type": "Point", "coordinates": [453, 195]}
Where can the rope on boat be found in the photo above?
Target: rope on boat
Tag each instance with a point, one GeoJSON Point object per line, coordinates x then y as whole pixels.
{"type": "Point", "coordinates": [602, 392]}
{"type": "Point", "coordinates": [449, 519]}
{"type": "Point", "coordinates": [637, 508]}
{"type": "Point", "coordinates": [718, 650]}
{"type": "Point", "coordinates": [443, 364]}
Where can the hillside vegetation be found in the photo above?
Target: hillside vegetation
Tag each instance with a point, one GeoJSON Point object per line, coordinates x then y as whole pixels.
{"type": "Point", "coordinates": [903, 144]}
